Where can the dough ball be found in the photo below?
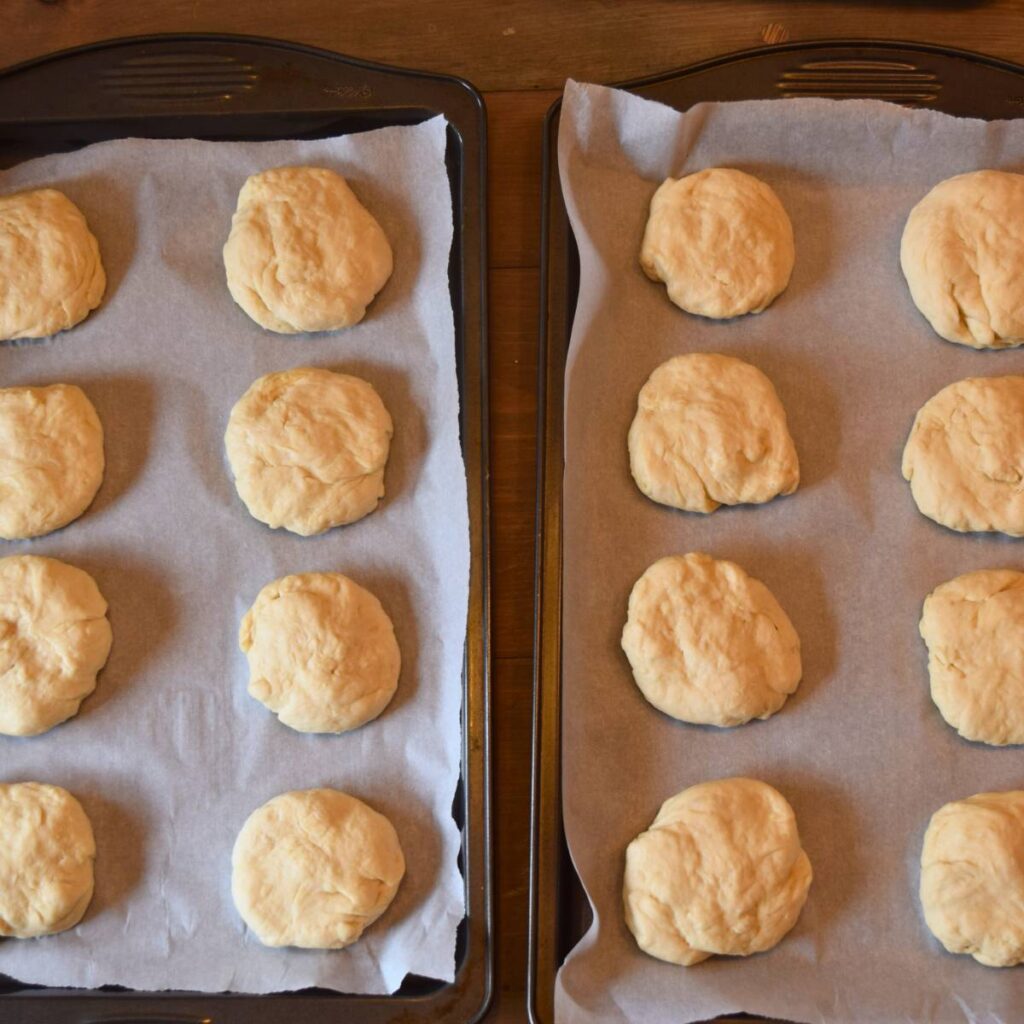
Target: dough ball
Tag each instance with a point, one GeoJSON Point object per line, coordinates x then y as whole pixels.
{"type": "Point", "coordinates": [313, 868]}
{"type": "Point", "coordinates": [965, 456]}
{"type": "Point", "coordinates": [710, 430]}
{"type": "Point", "coordinates": [720, 870]}
{"type": "Point", "coordinates": [51, 276]}
{"type": "Point", "coordinates": [720, 240]}
{"type": "Point", "coordinates": [307, 449]}
{"type": "Point", "coordinates": [304, 254]}
{"type": "Point", "coordinates": [51, 458]}
{"type": "Point", "coordinates": [46, 860]}
{"type": "Point", "coordinates": [322, 652]}
{"type": "Point", "coordinates": [709, 644]}
{"type": "Point", "coordinates": [963, 257]}
{"type": "Point", "coordinates": [974, 628]}
{"type": "Point", "coordinates": [54, 639]}
{"type": "Point", "coordinates": [972, 877]}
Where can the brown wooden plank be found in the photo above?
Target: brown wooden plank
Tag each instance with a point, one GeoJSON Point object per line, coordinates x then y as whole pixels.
{"type": "Point", "coordinates": [515, 122]}
{"type": "Point", "coordinates": [521, 44]}
{"type": "Point", "coordinates": [513, 351]}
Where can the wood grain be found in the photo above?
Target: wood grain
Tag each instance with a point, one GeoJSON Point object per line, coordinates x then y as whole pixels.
{"type": "Point", "coordinates": [519, 52]}
{"type": "Point", "coordinates": [521, 44]}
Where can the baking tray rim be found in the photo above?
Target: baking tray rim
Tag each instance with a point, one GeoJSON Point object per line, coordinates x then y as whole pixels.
{"type": "Point", "coordinates": [475, 750]}
{"type": "Point", "coordinates": [545, 620]}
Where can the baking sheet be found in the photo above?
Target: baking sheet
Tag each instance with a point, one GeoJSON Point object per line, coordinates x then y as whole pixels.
{"type": "Point", "coordinates": [170, 755]}
{"type": "Point", "coordinates": [859, 750]}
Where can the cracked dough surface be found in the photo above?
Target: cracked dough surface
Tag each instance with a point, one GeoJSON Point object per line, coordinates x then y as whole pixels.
{"type": "Point", "coordinates": [54, 639]}
{"type": "Point", "coordinates": [720, 240]}
{"type": "Point", "coordinates": [720, 870]}
{"type": "Point", "coordinates": [51, 458]}
{"type": "Point", "coordinates": [974, 628]}
{"type": "Point", "coordinates": [962, 254]}
{"type": "Point", "coordinates": [964, 457]}
{"type": "Point", "coordinates": [972, 877]}
{"type": "Point", "coordinates": [46, 860]}
{"type": "Point", "coordinates": [322, 652]}
{"type": "Point", "coordinates": [307, 449]}
{"type": "Point", "coordinates": [313, 868]}
{"type": "Point", "coordinates": [303, 253]}
{"type": "Point", "coordinates": [51, 276]}
{"type": "Point", "coordinates": [709, 644]}
{"type": "Point", "coordinates": [710, 430]}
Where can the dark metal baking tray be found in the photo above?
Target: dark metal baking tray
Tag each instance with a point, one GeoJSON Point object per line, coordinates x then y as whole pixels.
{"type": "Point", "coordinates": [953, 81]}
{"type": "Point", "coordinates": [238, 87]}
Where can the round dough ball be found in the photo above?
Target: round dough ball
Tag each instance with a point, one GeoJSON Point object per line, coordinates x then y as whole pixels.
{"type": "Point", "coordinates": [709, 644]}
{"type": "Point", "coordinates": [313, 868]}
{"type": "Point", "coordinates": [974, 628]}
{"type": "Point", "coordinates": [710, 430]}
{"type": "Point", "coordinates": [963, 257]}
{"type": "Point", "coordinates": [308, 448]}
{"type": "Point", "coordinates": [51, 276]}
{"type": "Point", "coordinates": [322, 652]}
{"type": "Point", "coordinates": [965, 456]}
{"type": "Point", "coordinates": [304, 254]}
{"type": "Point", "coordinates": [46, 860]}
{"type": "Point", "coordinates": [720, 240]}
{"type": "Point", "coordinates": [972, 877]}
{"type": "Point", "coordinates": [51, 458]}
{"type": "Point", "coordinates": [720, 870]}
{"type": "Point", "coordinates": [54, 639]}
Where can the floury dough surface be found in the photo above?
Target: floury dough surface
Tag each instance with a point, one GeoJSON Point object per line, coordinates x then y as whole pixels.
{"type": "Point", "coordinates": [304, 254]}
{"type": "Point", "coordinates": [859, 750]}
{"type": "Point", "coordinates": [51, 458]}
{"type": "Point", "coordinates": [964, 457]}
{"type": "Point", "coordinates": [710, 430]}
{"type": "Point", "coordinates": [46, 860]}
{"type": "Point", "coordinates": [972, 877]}
{"type": "Point", "coordinates": [307, 449]}
{"type": "Point", "coordinates": [720, 870]}
{"type": "Point", "coordinates": [720, 240]}
{"type": "Point", "coordinates": [54, 639]}
{"type": "Point", "coordinates": [171, 755]}
{"type": "Point", "coordinates": [314, 869]}
{"type": "Point", "coordinates": [709, 645]}
{"type": "Point", "coordinates": [963, 257]}
{"type": "Point", "coordinates": [322, 652]}
{"type": "Point", "coordinates": [974, 628]}
{"type": "Point", "coordinates": [51, 274]}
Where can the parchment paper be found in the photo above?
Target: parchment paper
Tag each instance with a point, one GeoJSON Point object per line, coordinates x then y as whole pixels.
{"type": "Point", "coordinates": [170, 755]}
{"type": "Point", "coordinates": [860, 751]}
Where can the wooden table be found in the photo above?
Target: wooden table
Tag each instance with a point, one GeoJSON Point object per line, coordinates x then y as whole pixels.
{"type": "Point", "coordinates": [519, 53]}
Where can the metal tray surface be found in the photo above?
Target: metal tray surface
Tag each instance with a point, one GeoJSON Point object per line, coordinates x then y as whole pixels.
{"type": "Point", "coordinates": [223, 87]}
{"type": "Point", "coordinates": [953, 81]}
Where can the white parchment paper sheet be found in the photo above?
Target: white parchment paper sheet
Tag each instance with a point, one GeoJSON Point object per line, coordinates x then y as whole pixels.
{"type": "Point", "coordinates": [859, 750]}
{"type": "Point", "coordinates": [170, 754]}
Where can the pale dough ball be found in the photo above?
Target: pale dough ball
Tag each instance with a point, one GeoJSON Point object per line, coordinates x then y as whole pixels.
{"type": "Point", "coordinates": [709, 644]}
{"type": "Point", "coordinates": [720, 240]}
{"type": "Point", "coordinates": [51, 458]}
{"type": "Point", "coordinates": [304, 254]}
{"type": "Point", "coordinates": [307, 448]}
{"type": "Point", "coordinates": [322, 652]}
{"type": "Point", "coordinates": [963, 257]}
{"type": "Point", "coordinates": [710, 430]}
{"type": "Point", "coordinates": [54, 639]}
{"type": "Point", "coordinates": [964, 457]}
{"type": "Point", "coordinates": [974, 628]}
{"type": "Point", "coordinates": [46, 860]}
{"type": "Point", "coordinates": [314, 868]}
{"type": "Point", "coordinates": [720, 870]}
{"type": "Point", "coordinates": [972, 877]}
{"type": "Point", "coordinates": [51, 276]}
